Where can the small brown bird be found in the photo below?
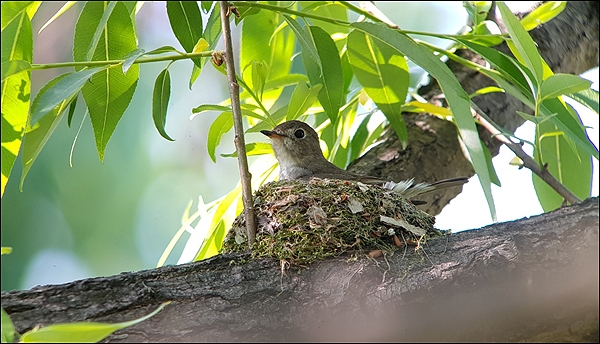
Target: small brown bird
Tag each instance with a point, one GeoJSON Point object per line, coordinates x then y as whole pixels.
{"type": "Point", "coordinates": [297, 149]}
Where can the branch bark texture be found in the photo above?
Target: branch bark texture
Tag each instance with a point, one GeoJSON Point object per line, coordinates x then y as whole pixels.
{"type": "Point", "coordinates": [240, 142]}
{"type": "Point", "coordinates": [534, 279]}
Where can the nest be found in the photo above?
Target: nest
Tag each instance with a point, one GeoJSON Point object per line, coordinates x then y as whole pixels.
{"type": "Point", "coordinates": [301, 222]}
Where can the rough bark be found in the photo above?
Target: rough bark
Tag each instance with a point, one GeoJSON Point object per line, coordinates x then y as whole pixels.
{"type": "Point", "coordinates": [568, 43]}
{"type": "Point", "coordinates": [533, 279]}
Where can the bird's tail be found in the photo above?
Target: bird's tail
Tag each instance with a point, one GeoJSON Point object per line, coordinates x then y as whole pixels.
{"type": "Point", "coordinates": [408, 189]}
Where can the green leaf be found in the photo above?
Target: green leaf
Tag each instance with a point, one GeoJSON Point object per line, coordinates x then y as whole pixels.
{"type": "Point", "coordinates": [458, 100]}
{"type": "Point", "coordinates": [200, 46]}
{"type": "Point", "coordinates": [58, 13]}
{"type": "Point", "coordinates": [346, 70]}
{"type": "Point", "coordinates": [384, 75]}
{"type": "Point", "coordinates": [343, 131]}
{"type": "Point", "coordinates": [283, 81]}
{"type": "Point", "coordinates": [477, 10]}
{"type": "Point", "coordinates": [357, 143]}
{"type": "Point", "coordinates": [100, 28]}
{"type": "Point", "coordinates": [37, 133]}
{"type": "Point", "coordinates": [17, 45]}
{"type": "Point", "coordinates": [486, 90]}
{"type": "Point", "coordinates": [588, 98]}
{"type": "Point", "coordinates": [15, 9]}
{"type": "Point", "coordinates": [211, 35]}
{"type": "Point", "coordinates": [542, 14]}
{"type": "Point", "coordinates": [109, 92]}
{"type": "Point", "coordinates": [213, 29]}
{"type": "Point", "coordinates": [305, 40]}
{"type": "Point", "coordinates": [559, 84]}
{"type": "Point", "coordinates": [160, 102]}
{"type": "Point", "coordinates": [260, 73]}
{"type": "Point", "coordinates": [418, 107]}
{"type": "Point", "coordinates": [330, 10]}
{"type": "Point", "coordinates": [246, 12]}
{"type": "Point", "coordinates": [194, 76]}
{"type": "Point", "coordinates": [566, 121]}
{"type": "Point", "coordinates": [130, 59]}
{"type": "Point", "coordinates": [276, 117]}
{"type": "Point", "coordinates": [504, 64]}
{"type": "Point", "coordinates": [12, 67]}
{"type": "Point", "coordinates": [186, 23]}
{"type": "Point", "coordinates": [80, 332]}
{"type": "Point", "coordinates": [261, 42]}
{"type": "Point", "coordinates": [8, 329]}
{"type": "Point", "coordinates": [206, 5]}
{"type": "Point", "coordinates": [212, 245]}
{"type": "Point", "coordinates": [487, 33]}
{"type": "Point", "coordinates": [331, 95]}
{"type": "Point", "coordinates": [208, 107]}
{"type": "Point", "coordinates": [523, 42]}
{"type": "Point", "coordinates": [572, 169]}
{"type": "Point", "coordinates": [49, 98]}
{"type": "Point", "coordinates": [254, 148]}
{"type": "Point", "coordinates": [162, 50]}
{"type": "Point", "coordinates": [222, 124]}
{"type": "Point", "coordinates": [488, 159]}
{"type": "Point", "coordinates": [535, 119]}
{"type": "Point", "coordinates": [303, 98]}
{"type": "Point", "coordinates": [72, 107]}
{"type": "Point", "coordinates": [217, 228]}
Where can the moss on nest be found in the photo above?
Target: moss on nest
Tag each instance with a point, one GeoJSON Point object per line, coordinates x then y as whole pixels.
{"type": "Point", "coordinates": [301, 222]}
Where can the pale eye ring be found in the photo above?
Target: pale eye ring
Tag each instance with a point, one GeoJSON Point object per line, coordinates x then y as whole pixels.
{"type": "Point", "coordinates": [299, 133]}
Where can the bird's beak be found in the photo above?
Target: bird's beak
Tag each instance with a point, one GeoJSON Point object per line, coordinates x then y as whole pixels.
{"type": "Point", "coordinates": [272, 134]}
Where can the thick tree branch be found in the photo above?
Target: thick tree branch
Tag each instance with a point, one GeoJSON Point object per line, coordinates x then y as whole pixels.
{"type": "Point", "coordinates": [534, 279]}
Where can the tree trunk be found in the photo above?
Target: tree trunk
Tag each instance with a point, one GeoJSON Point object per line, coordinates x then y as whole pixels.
{"type": "Point", "coordinates": [533, 279]}
{"type": "Point", "coordinates": [568, 43]}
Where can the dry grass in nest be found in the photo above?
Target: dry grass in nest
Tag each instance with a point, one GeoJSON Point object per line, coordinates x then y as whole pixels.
{"type": "Point", "coordinates": [301, 222]}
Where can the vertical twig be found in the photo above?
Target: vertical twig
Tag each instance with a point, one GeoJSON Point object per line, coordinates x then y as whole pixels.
{"type": "Point", "coordinates": [240, 144]}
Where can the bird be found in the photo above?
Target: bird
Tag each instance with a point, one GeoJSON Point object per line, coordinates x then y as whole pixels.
{"type": "Point", "coordinates": [297, 149]}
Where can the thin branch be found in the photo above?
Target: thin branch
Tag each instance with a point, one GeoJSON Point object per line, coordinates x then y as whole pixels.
{"type": "Point", "coordinates": [528, 161]}
{"type": "Point", "coordinates": [240, 145]}
{"type": "Point", "coordinates": [289, 11]}
{"type": "Point", "coordinates": [180, 56]}
{"type": "Point", "coordinates": [279, 9]}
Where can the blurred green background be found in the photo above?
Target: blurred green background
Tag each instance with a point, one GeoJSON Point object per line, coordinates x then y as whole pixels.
{"type": "Point", "coordinates": [102, 218]}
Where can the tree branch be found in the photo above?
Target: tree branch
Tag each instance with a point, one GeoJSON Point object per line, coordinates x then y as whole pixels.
{"type": "Point", "coordinates": [240, 144]}
{"type": "Point", "coordinates": [534, 279]}
{"type": "Point", "coordinates": [528, 161]}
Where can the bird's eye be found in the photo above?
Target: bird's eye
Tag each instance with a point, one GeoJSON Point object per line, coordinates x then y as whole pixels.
{"type": "Point", "coordinates": [299, 133]}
